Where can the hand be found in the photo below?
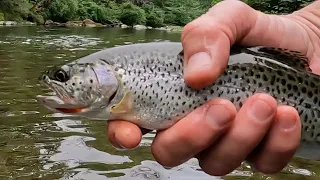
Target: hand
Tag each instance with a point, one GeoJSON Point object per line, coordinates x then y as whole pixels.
{"type": "Point", "coordinates": [261, 132]}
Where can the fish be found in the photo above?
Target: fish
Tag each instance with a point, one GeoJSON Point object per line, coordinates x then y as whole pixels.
{"type": "Point", "coordinates": [143, 84]}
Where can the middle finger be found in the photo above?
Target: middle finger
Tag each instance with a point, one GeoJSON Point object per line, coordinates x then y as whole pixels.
{"type": "Point", "coordinates": [249, 127]}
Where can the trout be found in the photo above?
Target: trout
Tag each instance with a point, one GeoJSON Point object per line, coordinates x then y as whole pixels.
{"type": "Point", "coordinates": [143, 84]}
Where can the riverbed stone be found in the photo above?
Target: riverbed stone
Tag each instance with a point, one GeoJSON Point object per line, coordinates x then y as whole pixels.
{"type": "Point", "coordinates": [174, 28]}
{"type": "Point", "coordinates": [74, 23]}
{"type": "Point", "coordinates": [139, 27]}
{"type": "Point", "coordinates": [161, 28]}
{"type": "Point", "coordinates": [89, 23]}
{"type": "Point", "coordinates": [8, 23]}
{"type": "Point", "coordinates": [27, 23]}
{"type": "Point", "coordinates": [52, 23]}
{"type": "Point", "coordinates": [124, 26]}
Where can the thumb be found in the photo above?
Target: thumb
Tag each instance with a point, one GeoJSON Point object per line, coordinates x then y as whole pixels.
{"type": "Point", "coordinates": [207, 40]}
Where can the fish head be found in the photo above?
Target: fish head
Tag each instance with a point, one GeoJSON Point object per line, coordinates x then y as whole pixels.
{"type": "Point", "coordinates": [79, 88]}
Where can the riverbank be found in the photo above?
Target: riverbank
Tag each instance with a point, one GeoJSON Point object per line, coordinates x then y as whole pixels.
{"type": "Point", "coordinates": [89, 23]}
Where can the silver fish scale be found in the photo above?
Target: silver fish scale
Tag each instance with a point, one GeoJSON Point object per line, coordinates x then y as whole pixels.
{"type": "Point", "coordinates": [153, 73]}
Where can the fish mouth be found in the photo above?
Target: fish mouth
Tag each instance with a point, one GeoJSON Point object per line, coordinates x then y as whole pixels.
{"type": "Point", "coordinates": [55, 104]}
{"type": "Point", "coordinates": [61, 101]}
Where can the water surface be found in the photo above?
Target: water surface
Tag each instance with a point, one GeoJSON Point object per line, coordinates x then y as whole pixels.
{"type": "Point", "coordinates": [36, 144]}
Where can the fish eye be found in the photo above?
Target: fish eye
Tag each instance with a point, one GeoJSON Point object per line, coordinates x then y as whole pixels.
{"type": "Point", "coordinates": [61, 76]}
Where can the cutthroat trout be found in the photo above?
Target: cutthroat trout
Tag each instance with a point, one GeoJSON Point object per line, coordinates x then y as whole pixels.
{"type": "Point", "coordinates": [143, 84]}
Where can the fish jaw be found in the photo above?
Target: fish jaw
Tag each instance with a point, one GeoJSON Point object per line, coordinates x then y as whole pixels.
{"type": "Point", "coordinates": [55, 104]}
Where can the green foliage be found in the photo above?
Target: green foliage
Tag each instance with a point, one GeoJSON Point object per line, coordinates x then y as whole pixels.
{"type": "Point", "coordinates": [179, 12]}
{"type": "Point", "coordinates": [62, 10]}
{"type": "Point", "coordinates": [98, 13]}
{"type": "Point", "coordinates": [1, 16]}
{"type": "Point", "coordinates": [15, 10]}
{"type": "Point", "coordinates": [214, 2]}
{"type": "Point", "coordinates": [37, 18]}
{"type": "Point", "coordinates": [132, 14]}
{"type": "Point", "coordinates": [274, 6]}
{"type": "Point", "coordinates": [154, 15]}
{"type": "Point", "coordinates": [278, 6]}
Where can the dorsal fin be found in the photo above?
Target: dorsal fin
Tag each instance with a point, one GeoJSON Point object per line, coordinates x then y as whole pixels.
{"type": "Point", "coordinates": [293, 59]}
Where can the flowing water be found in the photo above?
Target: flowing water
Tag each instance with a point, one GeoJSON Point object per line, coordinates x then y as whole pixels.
{"type": "Point", "coordinates": [36, 144]}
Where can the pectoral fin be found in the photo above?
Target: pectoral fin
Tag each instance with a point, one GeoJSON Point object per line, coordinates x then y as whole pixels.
{"type": "Point", "coordinates": [124, 106]}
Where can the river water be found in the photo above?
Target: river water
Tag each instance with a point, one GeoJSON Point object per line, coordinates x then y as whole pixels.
{"type": "Point", "coordinates": [36, 144]}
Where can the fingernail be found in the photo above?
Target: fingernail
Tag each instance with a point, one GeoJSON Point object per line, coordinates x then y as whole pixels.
{"type": "Point", "coordinates": [218, 116]}
{"type": "Point", "coordinates": [287, 121]}
{"type": "Point", "coordinates": [167, 168]}
{"type": "Point", "coordinates": [260, 110]}
{"type": "Point", "coordinates": [120, 146]}
{"type": "Point", "coordinates": [198, 62]}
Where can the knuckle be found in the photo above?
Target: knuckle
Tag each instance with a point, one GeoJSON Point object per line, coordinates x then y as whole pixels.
{"type": "Point", "coordinates": [194, 28]}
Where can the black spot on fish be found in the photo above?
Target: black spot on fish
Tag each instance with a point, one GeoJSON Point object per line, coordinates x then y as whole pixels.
{"type": "Point", "coordinates": [280, 73]}
{"type": "Point", "coordinates": [264, 77]}
{"type": "Point", "coordinates": [291, 77]}
{"type": "Point", "coordinates": [308, 106]}
{"type": "Point", "coordinates": [315, 100]}
{"type": "Point", "coordinates": [312, 84]}
{"type": "Point", "coordinates": [261, 69]}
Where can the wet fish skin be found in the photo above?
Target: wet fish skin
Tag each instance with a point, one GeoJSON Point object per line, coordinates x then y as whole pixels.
{"type": "Point", "coordinates": [153, 75]}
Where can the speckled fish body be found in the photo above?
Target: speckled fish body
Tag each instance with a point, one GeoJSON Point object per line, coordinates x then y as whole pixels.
{"type": "Point", "coordinates": [143, 84]}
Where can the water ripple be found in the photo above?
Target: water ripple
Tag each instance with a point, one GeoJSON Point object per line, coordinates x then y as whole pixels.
{"type": "Point", "coordinates": [68, 125]}
{"type": "Point", "coordinates": [71, 42]}
{"type": "Point", "coordinates": [73, 152]}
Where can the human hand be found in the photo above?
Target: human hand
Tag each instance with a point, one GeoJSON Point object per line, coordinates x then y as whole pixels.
{"type": "Point", "coordinates": [261, 132]}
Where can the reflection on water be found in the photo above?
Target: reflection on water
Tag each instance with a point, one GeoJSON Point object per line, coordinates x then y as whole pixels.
{"type": "Point", "coordinates": [38, 144]}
